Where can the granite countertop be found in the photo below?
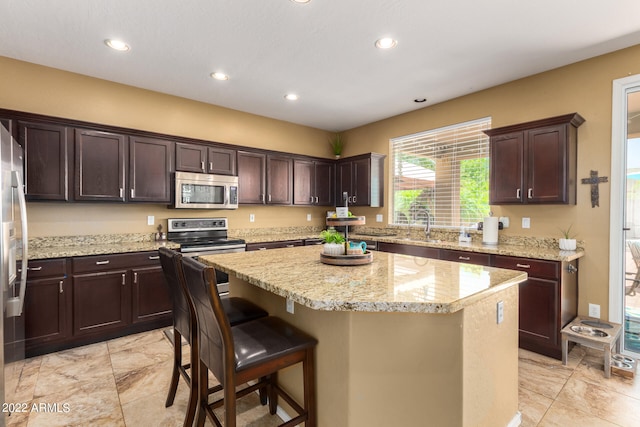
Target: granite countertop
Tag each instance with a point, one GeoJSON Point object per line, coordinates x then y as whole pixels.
{"type": "Point", "coordinates": [391, 283]}
{"type": "Point", "coordinates": [524, 250]}
{"type": "Point", "coordinates": [73, 250]}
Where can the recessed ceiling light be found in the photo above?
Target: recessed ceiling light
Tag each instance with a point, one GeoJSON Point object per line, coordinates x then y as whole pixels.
{"type": "Point", "coordinates": [301, 1]}
{"type": "Point", "coordinates": [419, 100]}
{"type": "Point", "coordinates": [117, 45]}
{"type": "Point", "coordinates": [291, 97]}
{"type": "Point", "coordinates": [386, 43]}
{"type": "Point", "coordinates": [219, 76]}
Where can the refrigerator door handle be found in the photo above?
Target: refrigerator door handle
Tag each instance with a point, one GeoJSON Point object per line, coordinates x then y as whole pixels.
{"type": "Point", "coordinates": [16, 304]}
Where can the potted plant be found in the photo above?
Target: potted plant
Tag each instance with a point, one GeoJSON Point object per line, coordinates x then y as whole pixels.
{"type": "Point", "coordinates": [337, 145]}
{"type": "Point", "coordinates": [568, 242]}
{"type": "Point", "coordinates": [333, 241]}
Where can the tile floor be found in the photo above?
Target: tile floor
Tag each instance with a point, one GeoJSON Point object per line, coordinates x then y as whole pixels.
{"type": "Point", "coordinates": [123, 382]}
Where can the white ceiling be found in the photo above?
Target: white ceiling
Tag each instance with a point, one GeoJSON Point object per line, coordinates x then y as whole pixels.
{"type": "Point", "coordinates": [323, 51]}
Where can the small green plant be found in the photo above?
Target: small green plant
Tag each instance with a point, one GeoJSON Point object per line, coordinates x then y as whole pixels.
{"type": "Point", "coordinates": [566, 233]}
{"type": "Point", "coordinates": [331, 236]}
{"type": "Point", "coordinates": [337, 144]}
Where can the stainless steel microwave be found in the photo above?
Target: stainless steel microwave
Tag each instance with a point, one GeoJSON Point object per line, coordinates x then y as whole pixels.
{"type": "Point", "coordinates": [205, 191]}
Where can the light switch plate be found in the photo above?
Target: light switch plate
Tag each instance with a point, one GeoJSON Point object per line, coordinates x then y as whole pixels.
{"type": "Point", "coordinates": [594, 310]}
{"type": "Point", "coordinates": [308, 217]}
{"type": "Point", "coordinates": [151, 220]}
{"type": "Point", "coordinates": [252, 218]}
{"type": "Point", "coordinates": [526, 222]}
{"type": "Point", "coordinates": [378, 217]}
{"type": "Point", "coordinates": [499, 312]}
{"type": "Point", "coordinates": [290, 305]}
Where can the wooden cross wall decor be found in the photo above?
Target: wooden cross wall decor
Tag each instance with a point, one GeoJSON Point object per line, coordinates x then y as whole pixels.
{"type": "Point", "coordinates": [594, 180]}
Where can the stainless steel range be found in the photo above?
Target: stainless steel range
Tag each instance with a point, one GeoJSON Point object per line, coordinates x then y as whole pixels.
{"type": "Point", "coordinates": [205, 236]}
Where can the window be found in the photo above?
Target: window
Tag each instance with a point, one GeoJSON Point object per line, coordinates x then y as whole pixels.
{"type": "Point", "coordinates": [442, 174]}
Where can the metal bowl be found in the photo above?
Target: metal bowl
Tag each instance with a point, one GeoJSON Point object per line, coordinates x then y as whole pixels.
{"type": "Point", "coordinates": [621, 358]}
{"type": "Point", "coordinates": [592, 332]}
{"type": "Point", "coordinates": [620, 364]}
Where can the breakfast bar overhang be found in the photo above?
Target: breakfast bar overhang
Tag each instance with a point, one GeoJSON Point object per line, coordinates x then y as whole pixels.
{"type": "Point", "coordinates": [402, 341]}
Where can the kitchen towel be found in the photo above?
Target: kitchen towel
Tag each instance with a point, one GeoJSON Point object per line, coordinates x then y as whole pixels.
{"type": "Point", "coordinates": [490, 230]}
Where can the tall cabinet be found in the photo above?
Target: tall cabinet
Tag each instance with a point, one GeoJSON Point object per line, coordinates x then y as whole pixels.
{"type": "Point", "coordinates": [534, 162]}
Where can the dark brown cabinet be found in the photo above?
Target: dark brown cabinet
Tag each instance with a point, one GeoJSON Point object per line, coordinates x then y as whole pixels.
{"type": "Point", "coordinates": [205, 159]}
{"type": "Point", "coordinates": [47, 303]}
{"type": "Point", "coordinates": [99, 166]}
{"type": "Point", "coordinates": [150, 167]}
{"type": "Point", "coordinates": [313, 182]}
{"type": "Point", "coordinates": [465, 257]}
{"type": "Point", "coordinates": [263, 246]}
{"type": "Point", "coordinates": [111, 292]}
{"type": "Point", "coordinates": [47, 154]}
{"type": "Point", "coordinates": [534, 162]}
{"type": "Point", "coordinates": [264, 179]}
{"type": "Point", "coordinates": [548, 301]}
{"type": "Point", "coordinates": [399, 248]}
{"type": "Point", "coordinates": [362, 179]}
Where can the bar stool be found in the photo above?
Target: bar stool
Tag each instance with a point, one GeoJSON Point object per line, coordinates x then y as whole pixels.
{"type": "Point", "coordinates": [254, 350]}
{"type": "Point", "coordinates": [185, 325]}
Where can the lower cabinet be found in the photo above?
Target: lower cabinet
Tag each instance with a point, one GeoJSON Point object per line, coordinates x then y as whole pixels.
{"type": "Point", "coordinates": [262, 246]}
{"type": "Point", "coordinates": [47, 304]}
{"type": "Point", "coordinates": [465, 257]}
{"type": "Point", "coordinates": [76, 301]}
{"type": "Point", "coordinates": [548, 301]}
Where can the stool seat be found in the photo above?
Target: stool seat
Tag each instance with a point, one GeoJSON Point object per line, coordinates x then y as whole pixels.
{"type": "Point", "coordinates": [266, 339]}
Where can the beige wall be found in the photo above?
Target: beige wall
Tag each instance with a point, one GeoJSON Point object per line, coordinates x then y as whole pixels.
{"type": "Point", "coordinates": [584, 87]}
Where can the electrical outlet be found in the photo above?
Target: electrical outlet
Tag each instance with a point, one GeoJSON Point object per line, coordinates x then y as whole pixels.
{"type": "Point", "coordinates": [594, 310]}
{"type": "Point", "coordinates": [505, 221]}
{"type": "Point", "coordinates": [252, 218]}
{"type": "Point", "coordinates": [378, 217]}
{"type": "Point", "coordinates": [500, 312]}
{"type": "Point", "coordinates": [290, 304]}
{"type": "Point", "coordinates": [526, 222]}
{"type": "Point", "coordinates": [151, 220]}
{"type": "Point", "coordinates": [308, 217]}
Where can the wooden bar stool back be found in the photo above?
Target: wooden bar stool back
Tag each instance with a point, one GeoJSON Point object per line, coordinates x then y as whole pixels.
{"type": "Point", "coordinates": [254, 350]}
{"type": "Point", "coordinates": [185, 324]}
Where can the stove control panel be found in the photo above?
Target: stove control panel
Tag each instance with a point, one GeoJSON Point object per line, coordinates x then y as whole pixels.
{"type": "Point", "coordinates": [196, 224]}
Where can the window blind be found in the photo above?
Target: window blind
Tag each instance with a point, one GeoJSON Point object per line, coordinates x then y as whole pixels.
{"type": "Point", "coordinates": [442, 174]}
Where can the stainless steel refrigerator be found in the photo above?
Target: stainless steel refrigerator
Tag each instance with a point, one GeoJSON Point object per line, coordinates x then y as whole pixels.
{"type": "Point", "coordinates": [13, 250]}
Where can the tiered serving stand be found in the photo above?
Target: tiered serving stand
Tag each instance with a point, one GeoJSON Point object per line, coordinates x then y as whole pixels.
{"type": "Point", "coordinates": [365, 258]}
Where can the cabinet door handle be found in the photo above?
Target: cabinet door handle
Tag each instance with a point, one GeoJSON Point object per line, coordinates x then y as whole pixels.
{"type": "Point", "coordinates": [518, 192]}
{"type": "Point", "coordinates": [202, 166]}
{"type": "Point", "coordinates": [135, 277]}
{"type": "Point", "coordinates": [121, 193]}
{"type": "Point", "coordinates": [530, 193]}
{"type": "Point", "coordinates": [60, 286]}
{"type": "Point", "coordinates": [133, 193]}
{"type": "Point", "coordinates": [31, 269]}
{"type": "Point", "coordinates": [262, 249]}
{"type": "Point", "coordinates": [354, 199]}
{"type": "Point", "coordinates": [124, 279]}
{"type": "Point", "coordinates": [261, 197]}
{"type": "Point", "coordinates": [311, 199]}
{"type": "Point", "coordinates": [210, 165]}
{"type": "Point", "coordinates": [153, 258]}
{"type": "Point", "coordinates": [269, 198]}
{"type": "Point", "coordinates": [290, 246]}
{"type": "Point", "coordinates": [464, 258]}
{"type": "Point", "coordinates": [523, 265]}
{"type": "Point", "coordinates": [102, 262]}
{"type": "Point", "coordinates": [316, 199]}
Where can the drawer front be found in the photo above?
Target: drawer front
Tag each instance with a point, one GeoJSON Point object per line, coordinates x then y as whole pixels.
{"type": "Point", "coordinates": [534, 267]}
{"type": "Point", "coordinates": [96, 263]}
{"type": "Point", "coordinates": [37, 269]}
{"type": "Point", "coordinates": [273, 245]}
{"type": "Point", "coordinates": [466, 257]}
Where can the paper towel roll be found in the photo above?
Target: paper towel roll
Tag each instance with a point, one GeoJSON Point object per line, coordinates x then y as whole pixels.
{"type": "Point", "coordinates": [490, 230]}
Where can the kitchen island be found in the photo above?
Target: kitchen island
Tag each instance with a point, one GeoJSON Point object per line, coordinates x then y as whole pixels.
{"type": "Point", "coordinates": [402, 341]}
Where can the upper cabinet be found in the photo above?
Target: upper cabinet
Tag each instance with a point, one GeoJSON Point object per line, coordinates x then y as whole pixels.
{"type": "Point", "coordinates": [362, 178]}
{"type": "Point", "coordinates": [205, 159]}
{"type": "Point", "coordinates": [99, 165]}
{"type": "Point", "coordinates": [264, 179]}
{"type": "Point", "coordinates": [534, 162]}
{"type": "Point", "coordinates": [47, 149]}
{"type": "Point", "coordinates": [313, 182]}
{"type": "Point", "coordinates": [150, 167]}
